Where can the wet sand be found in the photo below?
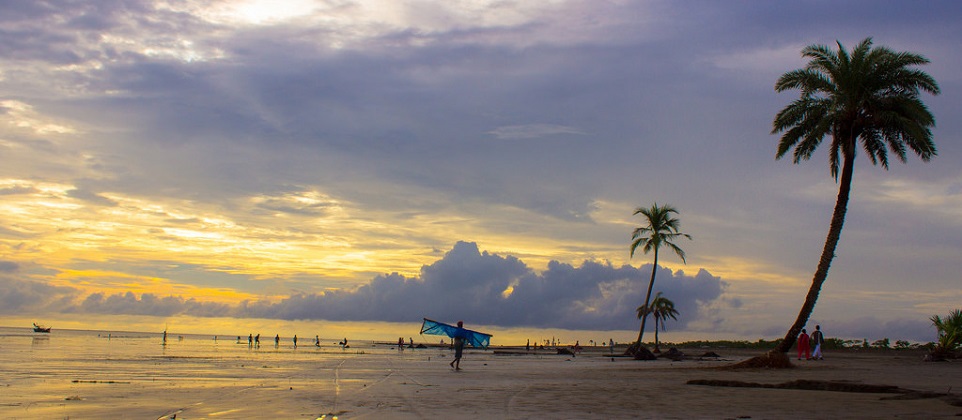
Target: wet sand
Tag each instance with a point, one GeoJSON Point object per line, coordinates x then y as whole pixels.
{"type": "Point", "coordinates": [81, 377]}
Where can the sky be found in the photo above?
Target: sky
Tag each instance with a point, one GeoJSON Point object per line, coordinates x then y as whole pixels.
{"type": "Point", "coordinates": [382, 161]}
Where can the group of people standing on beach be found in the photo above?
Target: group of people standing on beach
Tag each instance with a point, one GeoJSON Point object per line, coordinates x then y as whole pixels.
{"type": "Point", "coordinates": [807, 342]}
{"type": "Point", "coordinates": [254, 341]}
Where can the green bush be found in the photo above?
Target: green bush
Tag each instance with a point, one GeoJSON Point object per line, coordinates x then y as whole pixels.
{"type": "Point", "coordinates": [949, 331]}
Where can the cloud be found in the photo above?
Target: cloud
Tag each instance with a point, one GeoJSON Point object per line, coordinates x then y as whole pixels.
{"type": "Point", "coordinates": [91, 197]}
{"type": "Point", "coordinates": [8, 266]}
{"type": "Point", "coordinates": [467, 284]}
{"type": "Point", "coordinates": [407, 125]}
{"type": "Point", "coordinates": [148, 304]}
{"type": "Point", "coordinates": [17, 189]}
{"type": "Point", "coordinates": [19, 296]}
{"type": "Point", "coordinates": [872, 328]}
{"type": "Point", "coordinates": [531, 131]}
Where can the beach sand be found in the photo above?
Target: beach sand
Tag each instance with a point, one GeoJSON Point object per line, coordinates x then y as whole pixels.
{"type": "Point", "coordinates": [195, 379]}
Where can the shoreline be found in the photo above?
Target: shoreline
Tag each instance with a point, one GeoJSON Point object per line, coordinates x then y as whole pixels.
{"type": "Point", "coordinates": [77, 377]}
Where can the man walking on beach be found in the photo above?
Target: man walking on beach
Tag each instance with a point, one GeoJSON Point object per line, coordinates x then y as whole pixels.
{"type": "Point", "coordinates": [817, 340]}
{"type": "Point", "coordinates": [803, 345]}
{"type": "Point", "coordinates": [458, 348]}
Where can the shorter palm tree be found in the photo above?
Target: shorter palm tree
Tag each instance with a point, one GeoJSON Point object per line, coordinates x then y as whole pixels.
{"type": "Point", "coordinates": [949, 332]}
{"type": "Point", "coordinates": [660, 308]}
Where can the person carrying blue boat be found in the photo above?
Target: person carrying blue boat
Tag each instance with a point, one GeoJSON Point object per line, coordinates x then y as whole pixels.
{"type": "Point", "coordinates": [458, 348]}
{"type": "Point", "coordinates": [460, 337]}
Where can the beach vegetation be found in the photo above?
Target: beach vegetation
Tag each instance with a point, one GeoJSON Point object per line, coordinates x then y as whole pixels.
{"type": "Point", "coordinates": [660, 229]}
{"type": "Point", "coordinates": [949, 333]}
{"type": "Point", "coordinates": [830, 343]}
{"type": "Point", "coordinates": [660, 309]}
{"type": "Point", "coordinates": [866, 98]}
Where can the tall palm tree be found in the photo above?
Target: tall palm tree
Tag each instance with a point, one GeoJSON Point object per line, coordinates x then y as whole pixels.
{"type": "Point", "coordinates": [868, 97]}
{"type": "Point", "coordinates": [660, 309]}
{"type": "Point", "coordinates": [661, 230]}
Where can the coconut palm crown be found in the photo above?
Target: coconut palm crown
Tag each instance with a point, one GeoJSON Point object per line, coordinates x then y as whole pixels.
{"type": "Point", "coordinates": [867, 98]}
{"type": "Point", "coordinates": [661, 230]}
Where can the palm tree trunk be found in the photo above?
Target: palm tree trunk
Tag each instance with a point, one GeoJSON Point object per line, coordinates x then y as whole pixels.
{"type": "Point", "coordinates": [656, 335]}
{"type": "Point", "coordinates": [828, 253]}
{"type": "Point", "coordinates": [651, 283]}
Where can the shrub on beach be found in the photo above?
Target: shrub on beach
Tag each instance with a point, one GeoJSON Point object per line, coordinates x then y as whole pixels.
{"type": "Point", "coordinates": [949, 339]}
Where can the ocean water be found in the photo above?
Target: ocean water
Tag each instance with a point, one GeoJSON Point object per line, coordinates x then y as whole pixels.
{"type": "Point", "coordinates": [27, 353]}
{"type": "Point", "coordinates": [111, 374]}
{"type": "Point", "coordinates": [82, 374]}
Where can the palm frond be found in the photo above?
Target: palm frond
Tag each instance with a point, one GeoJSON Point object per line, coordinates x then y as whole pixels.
{"type": "Point", "coordinates": [868, 95]}
{"type": "Point", "coordinates": [661, 229]}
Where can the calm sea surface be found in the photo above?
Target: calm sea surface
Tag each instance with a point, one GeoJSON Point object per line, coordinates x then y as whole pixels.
{"type": "Point", "coordinates": [103, 374]}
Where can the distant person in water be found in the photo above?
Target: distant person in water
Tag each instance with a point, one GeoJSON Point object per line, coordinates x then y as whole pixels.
{"type": "Point", "coordinates": [317, 341]}
{"type": "Point", "coordinates": [250, 340]}
{"type": "Point", "coordinates": [257, 340]}
{"type": "Point", "coordinates": [400, 344]}
{"type": "Point", "coordinates": [458, 348]}
{"type": "Point", "coordinates": [817, 340]}
{"type": "Point", "coordinates": [295, 341]}
{"type": "Point", "coordinates": [803, 345]}
{"type": "Point", "coordinates": [277, 340]}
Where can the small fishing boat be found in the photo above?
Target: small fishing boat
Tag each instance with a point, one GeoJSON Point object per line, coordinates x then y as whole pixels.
{"type": "Point", "coordinates": [40, 328]}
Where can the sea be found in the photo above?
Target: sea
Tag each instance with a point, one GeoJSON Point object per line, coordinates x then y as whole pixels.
{"type": "Point", "coordinates": [118, 374]}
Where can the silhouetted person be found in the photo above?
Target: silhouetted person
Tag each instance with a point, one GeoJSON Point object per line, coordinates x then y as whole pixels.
{"type": "Point", "coordinates": [458, 348]}
{"type": "Point", "coordinates": [803, 345]}
{"type": "Point", "coordinates": [817, 340]}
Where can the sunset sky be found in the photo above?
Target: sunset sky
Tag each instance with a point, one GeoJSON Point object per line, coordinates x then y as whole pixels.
{"type": "Point", "coordinates": [383, 161]}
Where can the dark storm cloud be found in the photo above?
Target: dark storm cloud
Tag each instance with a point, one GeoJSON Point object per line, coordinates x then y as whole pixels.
{"type": "Point", "coordinates": [464, 284]}
{"type": "Point", "coordinates": [470, 284]}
